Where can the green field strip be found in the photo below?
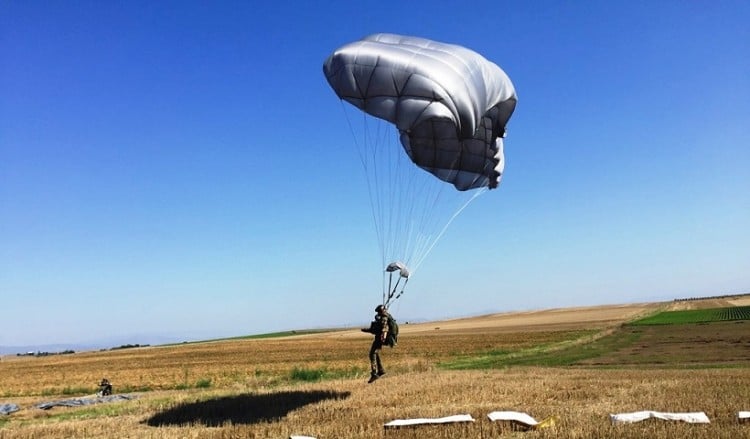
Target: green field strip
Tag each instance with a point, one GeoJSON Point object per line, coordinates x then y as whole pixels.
{"type": "Point", "coordinates": [696, 316]}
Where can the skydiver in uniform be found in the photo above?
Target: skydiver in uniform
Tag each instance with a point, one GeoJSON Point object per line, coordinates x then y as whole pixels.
{"type": "Point", "coordinates": [379, 328]}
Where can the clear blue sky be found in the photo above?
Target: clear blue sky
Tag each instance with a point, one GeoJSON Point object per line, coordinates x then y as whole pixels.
{"type": "Point", "coordinates": [183, 168]}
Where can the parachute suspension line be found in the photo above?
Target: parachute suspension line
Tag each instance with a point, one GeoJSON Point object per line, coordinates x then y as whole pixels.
{"type": "Point", "coordinates": [424, 234]}
{"type": "Point", "coordinates": [406, 204]}
{"type": "Point", "coordinates": [367, 151]}
{"type": "Point", "coordinates": [419, 233]}
{"type": "Point", "coordinates": [409, 195]}
{"type": "Point", "coordinates": [400, 208]}
{"type": "Point", "coordinates": [387, 189]}
{"type": "Point", "coordinates": [386, 292]}
{"type": "Point", "coordinates": [445, 227]}
{"type": "Point", "coordinates": [392, 296]}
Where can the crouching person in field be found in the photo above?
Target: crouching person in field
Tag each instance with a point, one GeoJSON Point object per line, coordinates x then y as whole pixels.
{"type": "Point", "coordinates": [105, 388]}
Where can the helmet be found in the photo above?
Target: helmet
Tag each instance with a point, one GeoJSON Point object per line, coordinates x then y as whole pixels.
{"type": "Point", "coordinates": [379, 308]}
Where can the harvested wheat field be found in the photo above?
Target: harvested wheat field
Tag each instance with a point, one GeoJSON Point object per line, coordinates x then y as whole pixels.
{"type": "Point", "coordinates": [573, 366]}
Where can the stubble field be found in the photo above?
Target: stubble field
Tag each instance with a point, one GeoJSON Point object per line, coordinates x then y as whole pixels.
{"type": "Point", "coordinates": [576, 365]}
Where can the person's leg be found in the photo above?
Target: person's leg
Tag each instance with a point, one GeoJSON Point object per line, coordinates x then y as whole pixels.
{"type": "Point", "coordinates": [374, 358]}
{"type": "Point", "coordinates": [375, 365]}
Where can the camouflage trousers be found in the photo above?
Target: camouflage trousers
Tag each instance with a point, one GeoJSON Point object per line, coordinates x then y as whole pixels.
{"type": "Point", "coordinates": [376, 367]}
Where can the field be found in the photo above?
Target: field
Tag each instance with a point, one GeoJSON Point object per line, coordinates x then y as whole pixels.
{"type": "Point", "coordinates": [726, 314]}
{"type": "Point", "coordinates": [575, 365]}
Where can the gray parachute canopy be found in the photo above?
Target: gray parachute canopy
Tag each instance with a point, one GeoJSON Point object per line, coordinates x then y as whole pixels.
{"type": "Point", "coordinates": [449, 103]}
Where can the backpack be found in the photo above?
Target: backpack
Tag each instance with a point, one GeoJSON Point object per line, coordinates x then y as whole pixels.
{"type": "Point", "coordinates": [392, 338]}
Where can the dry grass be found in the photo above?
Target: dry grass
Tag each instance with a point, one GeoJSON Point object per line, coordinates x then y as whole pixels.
{"type": "Point", "coordinates": [253, 392]}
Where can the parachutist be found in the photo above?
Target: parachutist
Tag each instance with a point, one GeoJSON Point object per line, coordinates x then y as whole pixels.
{"type": "Point", "coordinates": [385, 334]}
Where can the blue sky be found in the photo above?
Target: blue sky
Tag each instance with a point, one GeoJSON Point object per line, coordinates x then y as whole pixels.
{"type": "Point", "coordinates": [183, 169]}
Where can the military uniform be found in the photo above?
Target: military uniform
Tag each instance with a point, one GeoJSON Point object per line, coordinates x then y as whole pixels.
{"type": "Point", "coordinates": [379, 328]}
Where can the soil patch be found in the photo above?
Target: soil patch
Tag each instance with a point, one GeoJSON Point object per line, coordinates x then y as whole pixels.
{"type": "Point", "coordinates": [716, 343]}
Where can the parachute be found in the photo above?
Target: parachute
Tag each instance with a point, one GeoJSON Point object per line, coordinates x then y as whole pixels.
{"type": "Point", "coordinates": [449, 106]}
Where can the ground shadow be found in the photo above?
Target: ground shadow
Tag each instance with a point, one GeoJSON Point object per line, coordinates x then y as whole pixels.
{"type": "Point", "coordinates": [242, 409]}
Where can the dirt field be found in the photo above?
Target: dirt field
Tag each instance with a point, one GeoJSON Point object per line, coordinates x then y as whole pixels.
{"type": "Point", "coordinates": [316, 384]}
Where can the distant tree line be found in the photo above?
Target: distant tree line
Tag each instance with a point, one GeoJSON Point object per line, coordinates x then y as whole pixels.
{"type": "Point", "coordinates": [725, 296]}
{"type": "Point", "coordinates": [45, 354]}
{"type": "Point", "coordinates": [69, 351]}
{"type": "Point", "coordinates": [129, 346]}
